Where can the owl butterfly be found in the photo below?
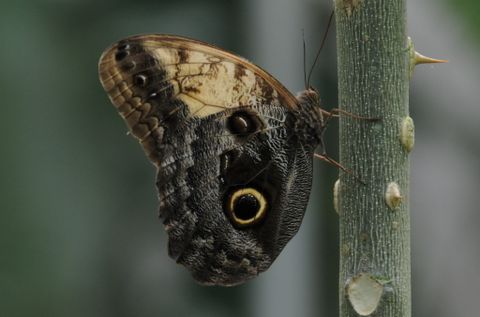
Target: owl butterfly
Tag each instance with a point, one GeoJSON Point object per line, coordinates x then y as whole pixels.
{"type": "Point", "coordinates": [233, 150]}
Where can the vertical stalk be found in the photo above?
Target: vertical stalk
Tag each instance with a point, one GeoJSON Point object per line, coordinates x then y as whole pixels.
{"type": "Point", "coordinates": [373, 74]}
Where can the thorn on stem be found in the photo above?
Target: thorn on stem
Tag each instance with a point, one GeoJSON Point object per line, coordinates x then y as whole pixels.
{"type": "Point", "coordinates": [421, 59]}
{"type": "Point", "coordinates": [416, 58]}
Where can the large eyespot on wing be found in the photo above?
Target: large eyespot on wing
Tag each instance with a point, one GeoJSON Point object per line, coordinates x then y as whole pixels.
{"type": "Point", "coordinates": [157, 80]}
{"type": "Point", "coordinates": [246, 206]}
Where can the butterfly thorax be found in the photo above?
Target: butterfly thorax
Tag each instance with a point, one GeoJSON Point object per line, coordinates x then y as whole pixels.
{"type": "Point", "coordinates": [309, 124]}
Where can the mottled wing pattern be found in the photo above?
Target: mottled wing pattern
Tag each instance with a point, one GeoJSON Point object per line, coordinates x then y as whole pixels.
{"type": "Point", "coordinates": [176, 96]}
{"type": "Point", "coordinates": [143, 74]}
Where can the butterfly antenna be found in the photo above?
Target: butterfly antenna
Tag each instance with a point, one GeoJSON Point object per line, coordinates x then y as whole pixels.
{"type": "Point", "coordinates": [320, 49]}
{"type": "Point", "coordinates": [304, 60]}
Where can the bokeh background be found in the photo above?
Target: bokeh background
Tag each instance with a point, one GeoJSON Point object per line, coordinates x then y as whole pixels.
{"type": "Point", "coordinates": [79, 234]}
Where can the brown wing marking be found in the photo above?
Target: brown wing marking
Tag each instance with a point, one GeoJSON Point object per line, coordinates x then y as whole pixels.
{"type": "Point", "coordinates": [210, 75]}
{"type": "Point", "coordinates": [180, 72]}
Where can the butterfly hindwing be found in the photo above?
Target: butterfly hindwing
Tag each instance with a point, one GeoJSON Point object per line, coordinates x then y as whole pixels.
{"type": "Point", "coordinates": [202, 235]}
{"type": "Point", "coordinates": [233, 169]}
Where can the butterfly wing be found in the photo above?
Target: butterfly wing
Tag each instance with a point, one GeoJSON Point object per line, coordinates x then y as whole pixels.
{"type": "Point", "coordinates": [149, 71]}
{"type": "Point", "coordinates": [221, 132]}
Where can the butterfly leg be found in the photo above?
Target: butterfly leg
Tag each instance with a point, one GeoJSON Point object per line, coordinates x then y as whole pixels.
{"type": "Point", "coordinates": [324, 157]}
{"type": "Point", "coordinates": [336, 112]}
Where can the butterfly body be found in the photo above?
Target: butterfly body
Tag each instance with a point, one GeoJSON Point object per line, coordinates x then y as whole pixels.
{"type": "Point", "coordinates": [233, 150]}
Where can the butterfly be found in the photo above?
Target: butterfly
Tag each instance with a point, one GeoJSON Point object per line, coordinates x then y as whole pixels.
{"type": "Point", "coordinates": [232, 147]}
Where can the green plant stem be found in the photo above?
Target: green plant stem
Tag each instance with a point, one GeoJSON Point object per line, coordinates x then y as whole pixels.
{"type": "Point", "coordinates": [373, 82]}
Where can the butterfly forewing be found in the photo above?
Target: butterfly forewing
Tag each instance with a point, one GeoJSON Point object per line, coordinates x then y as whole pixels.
{"type": "Point", "coordinates": [207, 79]}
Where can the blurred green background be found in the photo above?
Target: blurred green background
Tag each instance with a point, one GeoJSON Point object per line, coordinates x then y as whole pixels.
{"type": "Point", "coordinates": [79, 232]}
